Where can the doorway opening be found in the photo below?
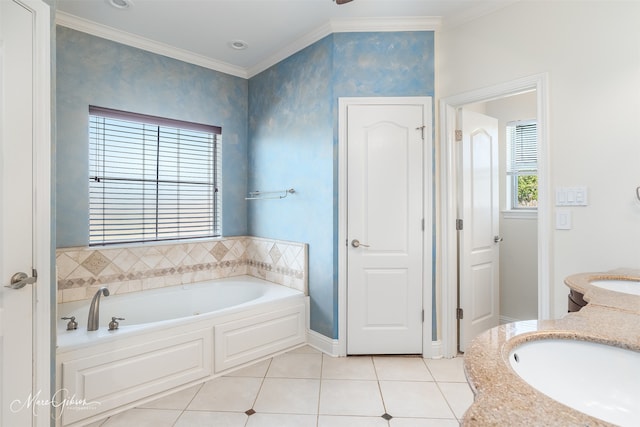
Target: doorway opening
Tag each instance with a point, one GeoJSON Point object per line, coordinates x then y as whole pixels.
{"type": "Point", "coordinates": [497, 245]}
{"type": "Point", "coordinates": [451, 181]}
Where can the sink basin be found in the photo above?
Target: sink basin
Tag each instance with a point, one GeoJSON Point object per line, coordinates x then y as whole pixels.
{"type": "Point", "coordinates": [619, 285]}
{"type": "Point", "coordinates": [596, 379]}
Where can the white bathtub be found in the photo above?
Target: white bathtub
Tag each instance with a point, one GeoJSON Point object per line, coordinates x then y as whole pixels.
{"type": "Point", "coordinates": [171, 338]}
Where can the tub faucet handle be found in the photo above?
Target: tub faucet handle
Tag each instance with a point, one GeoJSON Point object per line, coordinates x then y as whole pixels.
{"type": "Point", "coordinates": [72, 324]}
{"type": "Point", "coordinates": [113, 325]}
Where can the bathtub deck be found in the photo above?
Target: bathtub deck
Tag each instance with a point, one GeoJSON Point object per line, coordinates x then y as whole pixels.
{"type": "Point", "coordinates": [115, 370]}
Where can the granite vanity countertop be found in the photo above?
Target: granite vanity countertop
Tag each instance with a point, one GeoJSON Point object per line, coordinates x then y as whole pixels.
{"type": "Point", "coordinates": [598, 296]}
{"type": "Point", "coordinates": [502, 398]}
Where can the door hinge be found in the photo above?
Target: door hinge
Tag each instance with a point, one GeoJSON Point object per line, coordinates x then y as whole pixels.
{"type": "Point", "coordinates": [422, 224]}
{"type": "Point", "coordinates": [459, 224]}
{"type": "Point", "coordinates": [458, 135]}
{"type": "Point", "coordinates": [422, 316]}
{"type": "Point", "coordinates": [421, 129]}
{"type": "Point", "coordinates": [459, 314]}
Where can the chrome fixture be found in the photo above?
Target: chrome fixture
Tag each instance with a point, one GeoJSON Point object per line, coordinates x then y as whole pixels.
{"type": "Point", "coordinates": [72, 324]}
{"type": "Point", "coordinates": [113, 325]}
{"type": "Point", "coordinates": [20, 280]}
{"type": "Point", "coordinates": [260, 195]}
{"type": "Point", "coordinates": [94, 310]}
{"type": "Point", "coordinates": [356, 244]}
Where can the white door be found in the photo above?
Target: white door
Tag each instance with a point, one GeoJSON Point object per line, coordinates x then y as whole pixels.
{"type": "Point", "coordinates": [479, 239]}
{"type": "Point", "coordinates": [20, 113]}
{"type": "Point", "coordinates": [385, 229]}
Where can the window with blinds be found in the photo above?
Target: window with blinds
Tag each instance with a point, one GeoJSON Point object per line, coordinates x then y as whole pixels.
{"type": "Point", "coordinates": [152, 178]}
{"type": "Point", "coordinates": [522, 164]}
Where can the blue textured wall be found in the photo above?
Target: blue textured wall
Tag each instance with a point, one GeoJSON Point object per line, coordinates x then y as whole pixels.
{"type": "Point", "coordinates": [95, 71]}
{"type": "Point", "coordinates": [291, 145]}
{"type": "Point", "coordinates": [383, 64]}
{"type": "Point", "coordinates": [293, 110]}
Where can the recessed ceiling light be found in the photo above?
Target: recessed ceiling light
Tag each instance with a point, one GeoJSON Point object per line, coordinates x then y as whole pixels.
{"type": "Point", "coordinates": [238, 44]}
{"type": "Point", "coordinates": [120, 4]}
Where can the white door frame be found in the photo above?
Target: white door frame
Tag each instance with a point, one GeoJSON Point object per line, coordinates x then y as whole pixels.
{"type": "Point", "coordinates": [428, 177]}
{"type": "Point", "coordinates": [448, 188]}
{"type": "Point", "coordinates": [45, 286]}
{"type": "Point", "coordinates": [44, 351]}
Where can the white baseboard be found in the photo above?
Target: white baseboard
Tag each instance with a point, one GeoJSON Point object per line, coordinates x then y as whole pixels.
{"type": "Point", "coordinates": [324, 344]}
{"type": "Point", "coordinates": [331, 347]}
{"type": "Point", "coordinates": [435, 352]}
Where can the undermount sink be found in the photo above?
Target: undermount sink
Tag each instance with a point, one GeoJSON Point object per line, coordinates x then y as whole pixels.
{"type": "Point", "coordinates": [619, 285]}
{"type": "Point", "coordinates": [596, 379]}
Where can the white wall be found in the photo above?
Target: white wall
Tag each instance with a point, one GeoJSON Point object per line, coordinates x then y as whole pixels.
{"type": "Point", "coordinates": [591, 51]}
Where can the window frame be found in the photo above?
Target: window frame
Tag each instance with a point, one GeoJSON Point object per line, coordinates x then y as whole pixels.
{"type": "Point", "coordinates": [513, 171]}
{"type": "Point", "coordinates": [170, 134]}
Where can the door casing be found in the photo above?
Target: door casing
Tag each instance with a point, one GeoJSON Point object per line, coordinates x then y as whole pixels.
{"type": "Point", "coordinates": [448, 188]}
{"type": "Point", "coordinates": [428, 176]}
{"type": "Point", "coordinates": [43, 352]}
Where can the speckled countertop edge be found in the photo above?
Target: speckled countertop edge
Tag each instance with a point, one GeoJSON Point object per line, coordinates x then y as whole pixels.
{"type": "Point", "coordinates": [598, 296]}
{"type": "Point", "coordinates": [502, 398]}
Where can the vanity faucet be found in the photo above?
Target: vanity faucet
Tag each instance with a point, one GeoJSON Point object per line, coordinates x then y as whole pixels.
{"type": "Point", "coordinates": [94, 310]}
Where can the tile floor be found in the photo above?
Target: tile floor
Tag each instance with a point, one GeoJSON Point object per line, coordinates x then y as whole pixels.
{"type": "Point", "coordinates": [304, 388]}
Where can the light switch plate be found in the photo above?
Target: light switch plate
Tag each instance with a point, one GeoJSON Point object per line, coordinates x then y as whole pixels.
{"type": "Point", "coordinates": [581, 196]}
{"type": "Point", "coordinates": [563, 219]}
{"type": "Point", "coordinates": [572, 196]}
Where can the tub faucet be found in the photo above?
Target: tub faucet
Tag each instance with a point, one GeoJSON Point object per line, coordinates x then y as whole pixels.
{"type": "Point", "coordinates": [94, 311]}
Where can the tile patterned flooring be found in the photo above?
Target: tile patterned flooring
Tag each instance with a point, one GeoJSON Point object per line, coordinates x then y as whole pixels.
{"type": "Point", "coordinates": [305, 388]}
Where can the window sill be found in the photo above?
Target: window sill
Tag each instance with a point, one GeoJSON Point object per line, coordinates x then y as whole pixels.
{"type": "Point", "coordinates": [520, 214]}
{"type": "Point", "coordinates": [125, 245]}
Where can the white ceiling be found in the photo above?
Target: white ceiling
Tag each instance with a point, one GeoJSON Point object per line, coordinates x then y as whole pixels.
{"type": "Point", "coordinates": [200, 31]}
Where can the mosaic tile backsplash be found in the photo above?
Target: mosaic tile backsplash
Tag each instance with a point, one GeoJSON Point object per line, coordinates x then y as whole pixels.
{"type": "Point", "coordinates": [81, 271]}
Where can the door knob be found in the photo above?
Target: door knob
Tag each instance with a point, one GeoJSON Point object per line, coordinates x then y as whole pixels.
{"type": "Point", "coordinates": [20, 280]}
{"type": "Point", "coordinates": [497, 239]}
{"type": "Point", "coordinates": [356, 244]}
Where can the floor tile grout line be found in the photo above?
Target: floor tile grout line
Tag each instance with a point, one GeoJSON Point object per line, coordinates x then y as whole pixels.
{"type": "Point", "coordinates": [384, 405]}
{"type": "Point", "coordinates": [320, 389]}
{"type": "Point", "coordinates": [447, 400]}
{"type": "Point", "coordinates": [188, 403]}
{"type": "Point", "coordinates": [426, 365]}
{"type": "Point", "coordinates": [264, 377]}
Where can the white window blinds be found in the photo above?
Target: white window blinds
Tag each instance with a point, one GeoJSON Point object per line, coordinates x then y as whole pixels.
{"type": "Point", "coordinates": [522, 150]}
{"type": "Point", "coordinates": [151, 178]}
{"type": "Point", "coordinates": [522, 165]}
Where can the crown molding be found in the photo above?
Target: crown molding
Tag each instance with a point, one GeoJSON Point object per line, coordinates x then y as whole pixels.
{"type": "Point", "coordinates": [306, 40]}
{"type": "Point", "coordinates": [123, 37]}
{"type": "Point", "coordinates": [354, 25]}
{"type": "Point", "coordinates": [401, 23]}
{"type": "Point", "coordinates": [420, 23]}
{"type": "Point", "coordinates": [472, 13]}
